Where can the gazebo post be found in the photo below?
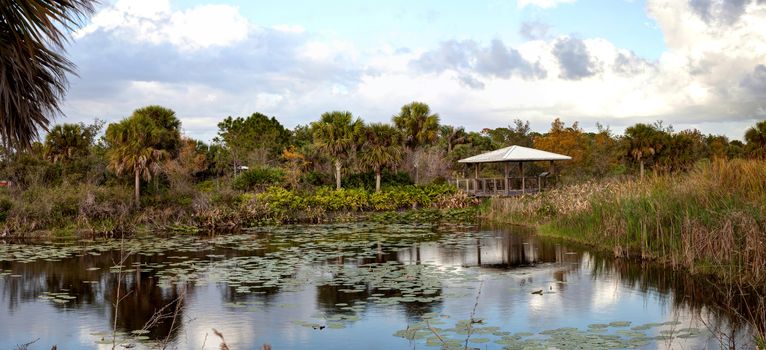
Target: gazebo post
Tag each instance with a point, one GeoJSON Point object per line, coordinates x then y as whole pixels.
{"type": "Point", "coordinates": [505, 178]}
{"type": "Point", "coordinates": [476, 177]}
{"type": "Point", "coordinates": [521, 170]}
{"type": "Point", "coordinates": [552, 171]}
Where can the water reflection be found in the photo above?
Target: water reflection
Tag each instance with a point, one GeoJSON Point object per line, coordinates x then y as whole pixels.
{"type": "Point", "coordinates": [578, 288]}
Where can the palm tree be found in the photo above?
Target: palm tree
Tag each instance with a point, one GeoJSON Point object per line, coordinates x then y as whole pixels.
{"type": "Point", "coordinates": [381, 148]}
{"type": "Point", "coordinates": [335, 135]}
{"type": "Point", "coordinates": [452, 136]}
{"type": "Point", "coordinates": [756, 139]}
{"type": "Point", "coordinates": [643, 141]}
{"type": "Point", "coordinates": [420, 128]}
{"type": "Point", "coordinates": [33, 70]}
{"type": "Point", "coordinates": [67, 142]}
{"type": "Point", "coordinates": [133, 148]}
{"type": "Point", "coordinates": [169, 125]}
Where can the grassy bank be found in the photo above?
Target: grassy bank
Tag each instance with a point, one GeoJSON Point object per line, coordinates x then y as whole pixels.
{"type": "Point", "coordinates": [709, 220]}
{"type": "Point", "coordinates": [85, 210]}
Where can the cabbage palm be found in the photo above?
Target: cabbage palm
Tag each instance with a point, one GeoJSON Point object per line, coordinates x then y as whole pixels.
{"type": "Point", "coordinates": [756, 139]}
{"type": "Point", "coordinates": [452, 136]}
{"type": "Point", "coordinates": [420, 128]}
{"type": "Point", "coordinates": [335, 135]}
{"type": "Point", "coordinates": [381, 148]}
{"type": "Point", "coordinates": [66, 142]}
{"type": "Point", "coordinates": [133, 148]}
{"type": "Point", "coordinates": [170, 127]}
{"type": "Point", "coordinates": [643, 141]}
{"type": "Point", "coordinates": [33, 68]}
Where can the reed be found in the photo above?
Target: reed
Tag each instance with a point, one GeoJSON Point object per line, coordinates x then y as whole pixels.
{"type": "Point", "coordinates": [709, 220]}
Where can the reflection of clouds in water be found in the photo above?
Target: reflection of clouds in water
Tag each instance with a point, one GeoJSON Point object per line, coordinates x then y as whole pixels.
{"type": "Point", "coordinates": [586, 289]}
{"type": "Point", "coordinates": [605, 295]}
{"type": "Point", "coordinates": [241, 327]}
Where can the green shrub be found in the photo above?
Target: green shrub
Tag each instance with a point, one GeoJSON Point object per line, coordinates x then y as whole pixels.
{"type": "Point", "coordinates": [205, 186]}
{"type": "Point", "coordinates": [367, 180]}
{"type": "Point", "coordinates": [352, 199]}
{"type": "Point", "coordinates": [5, 207]}
{"type": "Point", "coordinates": [258, 178]}
{"type": "Point", "coordinates": [315, 178]}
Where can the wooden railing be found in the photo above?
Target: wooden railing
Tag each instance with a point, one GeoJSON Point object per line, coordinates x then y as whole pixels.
{"type": "Point", "coordinates": [511, 186]}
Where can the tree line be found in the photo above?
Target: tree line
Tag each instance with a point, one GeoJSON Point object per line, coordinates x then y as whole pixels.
{"type": "Point", "coordinates": [148, 147]}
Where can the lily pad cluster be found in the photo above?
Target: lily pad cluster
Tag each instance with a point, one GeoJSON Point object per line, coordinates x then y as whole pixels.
{"type": "Point", "coordinates": [356, 262]}
{"type": "Point", "coordinates": [614, 335]}
{"type": "Point", "coordinates": [62, 297]}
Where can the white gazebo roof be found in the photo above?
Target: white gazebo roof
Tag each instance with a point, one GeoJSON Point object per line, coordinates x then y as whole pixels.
{"type": "Point", "coordinates": [514, 154]}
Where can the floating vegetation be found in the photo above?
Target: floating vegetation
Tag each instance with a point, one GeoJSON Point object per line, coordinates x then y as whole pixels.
{"type": "Point", "coordinates": [58, 297]}
{"type": "Point", "coordinates": [595, 337]}
{"type": "Point", "coordinates": [352, 262]}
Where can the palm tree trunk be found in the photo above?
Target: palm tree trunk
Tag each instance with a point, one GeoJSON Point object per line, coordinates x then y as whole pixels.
{"type": "Point", "coordinates": [641, 166]}
{"type": "Point", "coordinates": [377, 179]}
{"type": "Point", "coordinates": [337, 174]}
{"type": "Point", "coordinates": [137, 188]}
{"type": "Point", "coordinates": [417, 166]}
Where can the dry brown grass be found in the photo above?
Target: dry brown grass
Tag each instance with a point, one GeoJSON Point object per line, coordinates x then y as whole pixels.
{"type": "Point", "coordinates": [710, 220]}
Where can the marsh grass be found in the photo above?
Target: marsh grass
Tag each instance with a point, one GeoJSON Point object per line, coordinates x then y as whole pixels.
{"type": "Point", "coordinates": [709, 220]}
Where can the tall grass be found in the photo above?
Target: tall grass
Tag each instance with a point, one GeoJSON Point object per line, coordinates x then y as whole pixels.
{"type": "Point", "coordinates": [709, 220]}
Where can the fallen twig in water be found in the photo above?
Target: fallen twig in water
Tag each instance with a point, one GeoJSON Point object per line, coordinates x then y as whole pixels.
{"type": "Point", "coordinates": [223, 341]}
{"type": "Point", "coordinates": [26, 345]}
{"type": "Point", "coordinates": [471, 320]}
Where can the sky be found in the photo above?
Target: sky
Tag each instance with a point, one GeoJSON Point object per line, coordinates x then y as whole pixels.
{"type": "Point", "coordinates": [690, 63]}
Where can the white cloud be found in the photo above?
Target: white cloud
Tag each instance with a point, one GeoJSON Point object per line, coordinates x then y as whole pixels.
{"type": "Point", "coordinates": [153, 21]}
{"type": "Point", "coordinates": [546, 4]}
{"type": "Point", "coordinates": [134, 53]}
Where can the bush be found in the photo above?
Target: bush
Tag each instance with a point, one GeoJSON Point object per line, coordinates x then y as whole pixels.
{"type": "Point", "coordinates": [367, 180]}
{"type": "Point", "coordinates": [315, 178]}
{"type": "Point", "coordinates": [352, 199]}
{"type": "Point", "coordinates": [258, 178]}
{"type": "Point", "coordinates": [5, 207]}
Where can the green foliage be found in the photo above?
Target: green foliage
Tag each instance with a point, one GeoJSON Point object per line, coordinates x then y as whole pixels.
{"type": "Point", "coordinates": [135, 146]}
{"type": "Point", "coordinates": [315, 178]}
{"type": "Point", "coordinates": [33, 66]}
{"type": "Point", "coordinates": [366, 180]}
{"type": "Point", "coordinates": [417, 124]}
{"type": "Point", "coordinates": [756, 140]}
{"type": "Point", "coordinates": [168, 127]}
{"type": "Point", "coordinates": [277, 204]}
{"type": "Point", "coordinates": [254, 140]}
{"type": "Point", "coordinates": [258, 178]}
{"type": "Point", "coordinates": [344, 199]}
{"type": "Point", "coordinates": [68, 142]}
{"type": "Point", "coordinates": [708, 220]}
{"type": "Point", "coordinates": [452, 136]}
{"type": "Point", "coordinates": [336, 135]}
{"type": "Point", "coordinates": [518, 134]}
{"type": "Point", "coordinates": [5, 207]}
{"type": "Point", "coordinates": [381, 148]}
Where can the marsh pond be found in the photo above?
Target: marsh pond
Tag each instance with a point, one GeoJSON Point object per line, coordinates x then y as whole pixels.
{"type": "Point", "coordinates": [356, 285]}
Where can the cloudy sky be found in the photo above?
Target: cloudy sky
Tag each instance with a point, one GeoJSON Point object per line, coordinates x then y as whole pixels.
{"type": "Point", "coordinates": [690, 63]}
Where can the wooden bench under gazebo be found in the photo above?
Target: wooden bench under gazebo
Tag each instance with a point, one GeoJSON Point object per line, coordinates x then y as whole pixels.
{"type": "Point", "coordinates": [507, 185]}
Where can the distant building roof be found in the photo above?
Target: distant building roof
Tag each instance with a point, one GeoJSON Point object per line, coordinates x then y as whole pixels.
{"type": "Point", "coordinates": [514, 154]}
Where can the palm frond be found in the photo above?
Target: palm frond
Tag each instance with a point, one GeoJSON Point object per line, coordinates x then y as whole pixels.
{"type": "Point", "coordinates": [33, 69]}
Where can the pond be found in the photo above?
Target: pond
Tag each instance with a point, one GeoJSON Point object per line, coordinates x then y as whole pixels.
{"type": "Point", "coordinates": [337, 286]}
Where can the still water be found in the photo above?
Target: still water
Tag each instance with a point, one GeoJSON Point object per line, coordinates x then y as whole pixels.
{"type": "Point", "coordinates": [376, 286]}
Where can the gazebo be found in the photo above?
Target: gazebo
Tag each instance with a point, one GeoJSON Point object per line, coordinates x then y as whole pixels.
{"type": "Point", "coordinates": [507, 186]}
